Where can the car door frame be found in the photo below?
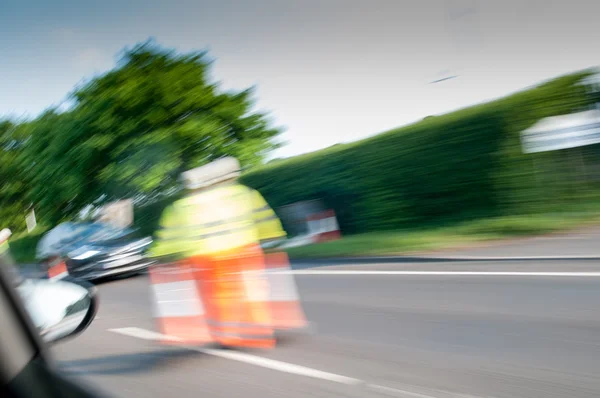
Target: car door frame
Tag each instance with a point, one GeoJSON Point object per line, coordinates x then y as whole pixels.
{"type": "Point", "coordinates": [26, 366]}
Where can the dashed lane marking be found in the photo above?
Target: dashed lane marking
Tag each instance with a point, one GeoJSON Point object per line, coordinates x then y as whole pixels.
{"type": "Point", "coordinates": [286, 367]}
{"type": "Point", "coordinates": [441, 273]}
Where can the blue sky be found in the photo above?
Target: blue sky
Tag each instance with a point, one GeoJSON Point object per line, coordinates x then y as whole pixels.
{"type": "Point", "coordinates": [328, 70]}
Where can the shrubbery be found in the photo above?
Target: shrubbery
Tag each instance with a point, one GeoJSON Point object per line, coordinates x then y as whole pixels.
{"type": "Point", "coordinates": [464, 165]}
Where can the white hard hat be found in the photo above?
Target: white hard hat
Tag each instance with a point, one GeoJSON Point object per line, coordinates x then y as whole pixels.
{"type": "Point", "coordinates": [218, 171]}
{"type": "Point", "coordinates": [5, 234]}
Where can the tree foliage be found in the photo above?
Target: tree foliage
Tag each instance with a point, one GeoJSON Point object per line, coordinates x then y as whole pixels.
{"type": "Point", "coordinates": [131, 132]}
{"type": "Point", "coordinates": [13, 204]}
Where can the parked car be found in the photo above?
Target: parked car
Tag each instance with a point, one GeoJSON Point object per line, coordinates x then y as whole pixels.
{"type": "Point", "coordinates": [93, 251]}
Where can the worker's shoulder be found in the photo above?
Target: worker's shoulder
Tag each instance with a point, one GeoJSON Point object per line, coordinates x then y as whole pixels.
{"type": "Point", "coordinates": [177, 203]}
{"type": "Point", "coordinates": [216, 193]}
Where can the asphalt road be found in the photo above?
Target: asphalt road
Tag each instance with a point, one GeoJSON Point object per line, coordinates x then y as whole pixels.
{"type": "Point", "coordinates": [582, 242]}
{"type": "Point", "coordinates": [395, 334]}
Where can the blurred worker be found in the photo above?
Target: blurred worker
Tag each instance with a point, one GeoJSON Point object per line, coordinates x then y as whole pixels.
{"type": "Point", "coordinates": [6, 257]}
{"type": "Point", "coordinates": [218, 227]}
{"type": "Point", "coordinates": [4, 235]}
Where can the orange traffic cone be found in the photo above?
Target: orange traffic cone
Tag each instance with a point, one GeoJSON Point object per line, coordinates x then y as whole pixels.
{"type": "Point", "coordinates": [284, 301]}
{"type": "Point", "coordinates": [237, 300]}
{"type": "Point", "coordinates": [57, 270]}
{"type": "Point", "coordinates": [178, 304]}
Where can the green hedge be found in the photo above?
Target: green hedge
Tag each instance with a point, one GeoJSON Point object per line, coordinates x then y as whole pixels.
{"type": "Point", "coordinates": [464, 165]}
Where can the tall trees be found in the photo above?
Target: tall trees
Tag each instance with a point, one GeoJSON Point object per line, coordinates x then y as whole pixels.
{"type": "Point", "coordinates": [132, 131]}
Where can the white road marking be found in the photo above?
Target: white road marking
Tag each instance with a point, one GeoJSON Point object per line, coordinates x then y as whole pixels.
{"type": "Point", "coordinates": [494, 258]}
{"type": "Point", "coordinates": [395, 392]}
{"type": "Point", "coordinates": [246, 358]}
{"type": "Point", "coordinates": [441, 273]}
{"type": "Point", "coordinates": [143, 334]}
{"type": "Point", "coordinates": [463, 258]}
{"type": "Point", "coordinates": [279, 366]}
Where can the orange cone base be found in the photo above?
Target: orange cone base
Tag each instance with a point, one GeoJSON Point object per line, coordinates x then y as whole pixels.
{"type": "Point", "coordinates": [233, 342]}
{"type": "Point", "coordinates": [287, 315]}
{"type": "Point", "coordinates": [184, 330]}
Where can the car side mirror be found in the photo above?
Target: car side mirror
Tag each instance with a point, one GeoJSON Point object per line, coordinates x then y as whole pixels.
{"type": "Point", "coordinates": [59, 308]}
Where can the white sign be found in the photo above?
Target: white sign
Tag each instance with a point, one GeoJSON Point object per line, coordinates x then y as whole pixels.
{"type": "Point", "coordinates": [31, 222]}
{"type": "Point", "coordinates": [562, 132]}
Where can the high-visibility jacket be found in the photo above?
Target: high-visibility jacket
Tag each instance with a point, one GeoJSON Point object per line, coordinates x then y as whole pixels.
{"type": "Point", "coordinates": [4, 247]}
{"type": "Point", "coordinates": [215, 220]}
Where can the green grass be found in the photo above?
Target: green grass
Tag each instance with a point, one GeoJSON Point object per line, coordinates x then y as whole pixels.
{"type": "Point", "coordinates": [438, 238]}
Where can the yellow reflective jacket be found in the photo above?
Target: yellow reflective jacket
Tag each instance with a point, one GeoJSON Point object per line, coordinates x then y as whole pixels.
{"type": "Point", "coordinates": [215, 220]}
{"type": "Point", "coordinates": [4, 247]}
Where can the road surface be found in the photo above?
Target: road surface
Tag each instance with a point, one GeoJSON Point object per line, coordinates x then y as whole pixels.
{"type": "Point", "coordinates": [582, 242]}
{"type": "Point", "coordinates": [456, 330]}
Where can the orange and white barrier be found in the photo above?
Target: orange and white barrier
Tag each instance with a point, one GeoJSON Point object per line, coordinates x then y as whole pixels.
{"type": "Point", "coordinates": [237, 299]}
{"type": "Point", "coordinates": [58, 270]}
{"type": "Point", "coordinates": [323, 226]}
{"type": "Point", "coordinates": [178, 305]}
{"type": "Point", "coordinates": [284, 302]}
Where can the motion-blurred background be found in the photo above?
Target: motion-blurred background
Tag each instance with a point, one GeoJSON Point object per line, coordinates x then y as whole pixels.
{"type": "Point", "coordinates": [327, 73]}
{"type": "Point", "coordinates": [104, 104]}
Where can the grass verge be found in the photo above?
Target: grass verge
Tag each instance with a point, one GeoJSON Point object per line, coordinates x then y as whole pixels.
{"type": "Point", "coordinates": [438, 238]}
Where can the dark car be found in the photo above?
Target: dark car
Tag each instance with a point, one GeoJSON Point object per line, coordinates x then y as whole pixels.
{"type": "Point", "coordinates": [94, 251]}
